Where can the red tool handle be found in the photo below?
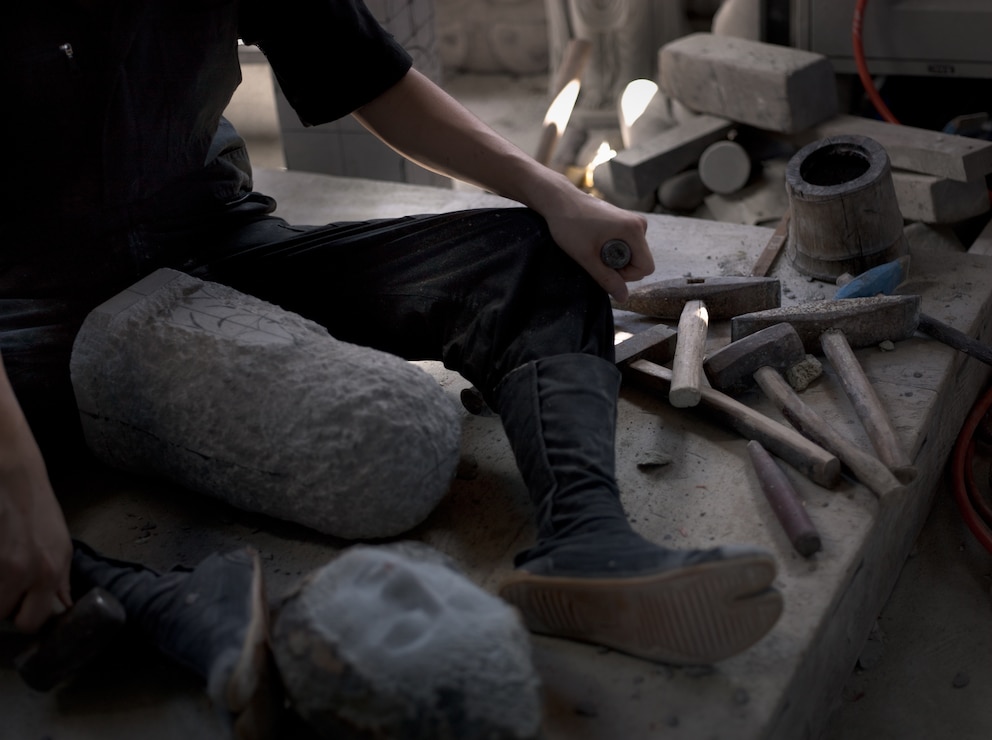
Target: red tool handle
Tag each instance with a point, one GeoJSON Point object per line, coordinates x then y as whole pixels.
{"type": "Point", "coordinates": [786, 504]}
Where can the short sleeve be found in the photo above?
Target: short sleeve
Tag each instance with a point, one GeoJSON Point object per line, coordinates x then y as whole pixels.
{"type": "Point", "coordinates": [329, 57]}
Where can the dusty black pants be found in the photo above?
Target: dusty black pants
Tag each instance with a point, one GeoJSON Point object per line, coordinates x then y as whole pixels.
{"type": "Point", "coordinates": [484, 291]}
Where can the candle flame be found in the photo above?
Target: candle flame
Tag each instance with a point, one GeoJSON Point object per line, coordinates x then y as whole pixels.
{"type": "Point", "coordinates": [635, 99]}
{"type": "Point", "coordinates": [604, 154]}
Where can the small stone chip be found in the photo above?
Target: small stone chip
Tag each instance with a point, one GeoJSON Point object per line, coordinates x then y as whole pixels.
{"type": "Point", "coordinates": [886, 346]}
{"type": "Point", "coordinates": [961, 679]}
{"type": "Point", "coordinates": [650, 460]}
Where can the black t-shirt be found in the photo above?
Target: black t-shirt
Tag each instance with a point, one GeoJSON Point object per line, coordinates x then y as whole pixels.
{"type": "Point", "coordinates": [113, 107]}
{"type": "Point", "coordinates": [115, 113]}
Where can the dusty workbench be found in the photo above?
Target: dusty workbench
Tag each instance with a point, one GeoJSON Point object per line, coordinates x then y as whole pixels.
{"type": "Point", "coordinates": [686, 481]}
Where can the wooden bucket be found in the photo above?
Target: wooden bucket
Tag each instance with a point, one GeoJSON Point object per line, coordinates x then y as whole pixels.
{"type": "Point", "coordinates": [845, 217]}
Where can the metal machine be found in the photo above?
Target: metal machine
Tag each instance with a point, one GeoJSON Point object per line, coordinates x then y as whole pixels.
{"type": "Point", "coordinates": [949, 38]}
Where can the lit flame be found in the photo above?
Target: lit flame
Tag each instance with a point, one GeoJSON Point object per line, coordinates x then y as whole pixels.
{"type": "Point", "coordinates": [621, 336]}
{"type": "Point", "coordinates": [603, 154]}
{"type": "Point", "coordinates": [635, 99]}
{"type": "Point", "coordinates": [561, 108]}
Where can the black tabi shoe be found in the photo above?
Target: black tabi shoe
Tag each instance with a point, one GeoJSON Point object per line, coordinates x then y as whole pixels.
{"type": "Point", "coordinates": [212, 619]}
{"type": "Point", "coordinates": [591, 577]}
{"type": "Point", "coordinates": [688, 607]}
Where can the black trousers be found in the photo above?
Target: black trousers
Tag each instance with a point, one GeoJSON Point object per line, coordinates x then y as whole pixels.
{"type": "Point", "coordinates": [484, 291]}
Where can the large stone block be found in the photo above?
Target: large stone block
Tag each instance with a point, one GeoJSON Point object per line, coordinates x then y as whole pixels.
{"type": "Point", "coordinates": [771, 87]}
{"type": "Point", "coordinates": [239, 399]}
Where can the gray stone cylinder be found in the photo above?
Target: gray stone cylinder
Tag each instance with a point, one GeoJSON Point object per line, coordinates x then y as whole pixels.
{"type": "Point", "coordinates": [236, 398]}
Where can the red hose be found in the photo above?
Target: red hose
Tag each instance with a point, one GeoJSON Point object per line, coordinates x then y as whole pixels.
{"type": "Point", "coordinates": [859, 60]}
{"type": "Point", "coordinates": [978, 502]}
{"type": "Point", "coordinates": [966, 493]}
{"type": "Point", "coordinates": [975, 510]}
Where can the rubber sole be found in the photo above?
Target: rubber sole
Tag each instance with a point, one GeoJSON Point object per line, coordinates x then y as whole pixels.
{"type": "Point", "coordinates": [689, 616]}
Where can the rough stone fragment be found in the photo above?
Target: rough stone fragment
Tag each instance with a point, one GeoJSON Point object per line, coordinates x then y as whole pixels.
{"type": "Point", "coordinates": [771, 87]}
{"type": "Point", "coordinates": [394, 642]}
{"type": "Point", "coordinates": [804, 372]}
{"type": "Point", "coordinates": [236, 398]}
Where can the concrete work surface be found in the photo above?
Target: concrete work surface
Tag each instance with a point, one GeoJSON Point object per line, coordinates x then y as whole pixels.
{"type": "Point", "coordinates": [685, 479]}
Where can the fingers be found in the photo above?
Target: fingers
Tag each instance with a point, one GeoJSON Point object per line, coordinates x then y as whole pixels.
{"type": "Point", "coordinates": [29, 597]}
{"type": "Point", "coordinates": [614, 281]}
{"type": "Point", "coordinates": [36, 609]}
{"type": "Point", "coordinates": [63, 595]}
{"type": "Point", "coordinates": [613, 284]}
{"type": "Point", "coordinates": [586, 224]}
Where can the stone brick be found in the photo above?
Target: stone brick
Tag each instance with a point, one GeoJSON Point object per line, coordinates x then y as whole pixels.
{"type": "Point", "coordinates": [639, 170]}
{"type": "Point", "coordinates": [771, 87]}
{"type": "Point", "coordinates": [936, 200]}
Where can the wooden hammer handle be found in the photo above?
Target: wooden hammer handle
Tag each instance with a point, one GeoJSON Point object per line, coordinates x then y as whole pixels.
{"type": "Point", "coordinates": [784, 500]}
{"type": "Point", "coordinates": [687, 365]}
{"type": "Point", "coordinates": [866, 468]}
{"type": "Point", "coordinates": [820, 466]}
{"type": "Point", "coordinates": [867, 405]}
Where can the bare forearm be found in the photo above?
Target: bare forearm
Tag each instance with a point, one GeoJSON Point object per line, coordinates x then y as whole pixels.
{"type": "Point", "coordinates": [422, 122]}
{"type": "Point", "coordinates": [15, 434]}
{"type": "Point", "coordinates": [35, 550]}
{"type": "Point", "coordinates": [425, 124]}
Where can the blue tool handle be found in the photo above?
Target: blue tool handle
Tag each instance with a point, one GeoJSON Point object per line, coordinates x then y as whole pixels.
{"type": "Point", "coordinates": [883, 279]}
